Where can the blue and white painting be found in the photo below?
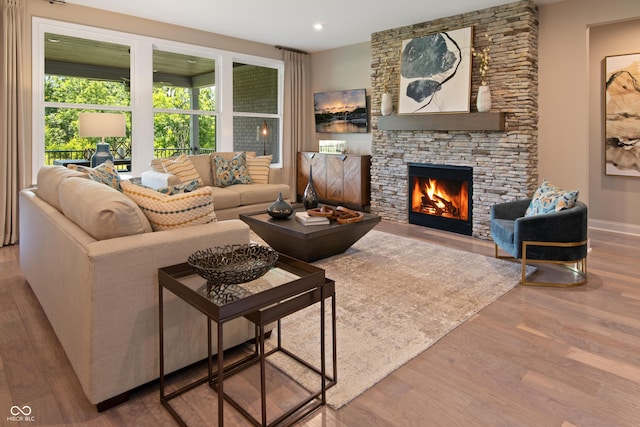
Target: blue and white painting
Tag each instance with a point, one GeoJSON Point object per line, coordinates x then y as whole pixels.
{"type": "Point", "coordinates": [435, 73]}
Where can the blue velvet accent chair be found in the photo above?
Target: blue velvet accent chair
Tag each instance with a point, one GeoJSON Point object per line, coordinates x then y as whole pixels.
{"type": "Point", "coordinates": [557, 237]}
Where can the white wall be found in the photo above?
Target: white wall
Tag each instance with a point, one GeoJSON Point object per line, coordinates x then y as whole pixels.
{"type": "Point", "coordinates": [618, 198]}
{"type": "Point", "coordinates": [570, 148]}
{"type": "Point", "coordinates": [342, 69]}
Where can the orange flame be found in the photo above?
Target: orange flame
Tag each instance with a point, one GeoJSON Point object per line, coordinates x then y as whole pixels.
{"type": "Point", "coordinates": [431, 189]}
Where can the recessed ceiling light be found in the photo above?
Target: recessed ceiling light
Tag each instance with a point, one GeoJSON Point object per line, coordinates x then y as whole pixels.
{"type": "Point", "coordinates": [54, 40]}
{"type": "Point", "coordinates": [318, 26]}
{"type": "Point", "coordinates": [191, 61]}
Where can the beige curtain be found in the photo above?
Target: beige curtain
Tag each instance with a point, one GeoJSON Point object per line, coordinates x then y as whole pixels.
{"type": "Point", "coordinates": [296, 108]}
{"type": "Point", "coordinates": [11, 117]}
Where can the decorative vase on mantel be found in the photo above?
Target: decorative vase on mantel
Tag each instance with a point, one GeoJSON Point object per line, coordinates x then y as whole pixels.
{"type": "Point", "coordinates": [386, 106]}
{"type": "Point", "coordinates": [484, 99]}
{"type": "Point", "coordinates": [310, 197]}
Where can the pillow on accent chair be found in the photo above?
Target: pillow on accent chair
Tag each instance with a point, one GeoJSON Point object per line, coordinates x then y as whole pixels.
{"type": "Point", "coordinates": [549, 198]}
{"type": "Point", "coordinates": [259, 168]}
{"type": "Point", "coordinates": [166, 212]}
{"type": "Point", "coordinates": [234, 171]}
{"type": "Point", "coordinates": [105, 173]}
{"type": "Point", "coordinates": [182, 167]}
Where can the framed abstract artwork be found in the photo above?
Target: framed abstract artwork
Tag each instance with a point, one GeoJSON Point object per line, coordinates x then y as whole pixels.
{"type": "Point", "coordinates": [435, 73]}
{"type": "Point", "coordinates": [622, 115]}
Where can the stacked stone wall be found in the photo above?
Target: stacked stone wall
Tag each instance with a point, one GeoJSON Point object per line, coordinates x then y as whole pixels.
{"type": "Point", "coordinates": [504, 163]}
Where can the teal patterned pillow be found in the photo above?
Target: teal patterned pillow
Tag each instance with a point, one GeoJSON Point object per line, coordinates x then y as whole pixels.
{"type": "Point", "coordinates": [548, 198]}
{"type": "Point", "coordinates": [105, 173]}
{"type": "Point", "coordinates": [234, 171]}
{"type": "Point", "coordinates": [186, 187]}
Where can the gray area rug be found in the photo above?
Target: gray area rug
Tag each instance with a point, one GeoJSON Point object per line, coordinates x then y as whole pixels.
{"type": "Point", "coordinates": [396, 297]}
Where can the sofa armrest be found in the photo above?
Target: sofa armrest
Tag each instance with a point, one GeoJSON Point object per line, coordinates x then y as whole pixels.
{"type": "Point", "coordinates": [157, 180]}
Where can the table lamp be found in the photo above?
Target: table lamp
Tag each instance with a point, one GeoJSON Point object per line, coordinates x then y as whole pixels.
{"type": "Point", "coordinates": [101, 124]}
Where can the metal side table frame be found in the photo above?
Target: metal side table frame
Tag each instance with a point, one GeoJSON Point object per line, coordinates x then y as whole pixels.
{"type": "Point", "coordinates": [261, 308]}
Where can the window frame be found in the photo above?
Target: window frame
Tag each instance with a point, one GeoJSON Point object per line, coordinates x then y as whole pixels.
{"type": "Point", "coordinates": [141, 105]}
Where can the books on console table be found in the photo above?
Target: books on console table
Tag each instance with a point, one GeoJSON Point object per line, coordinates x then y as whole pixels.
{"type": "Point", "coordinates": [305, 219]}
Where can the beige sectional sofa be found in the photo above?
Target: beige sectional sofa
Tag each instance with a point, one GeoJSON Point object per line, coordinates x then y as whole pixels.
{"type": "Point", "coordinates": [230, 201]}
{"type": "Point", "coordinates": [91, 258]}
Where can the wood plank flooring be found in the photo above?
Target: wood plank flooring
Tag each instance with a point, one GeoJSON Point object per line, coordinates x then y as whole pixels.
{"type": "Point", "coordinates": [536, 357]}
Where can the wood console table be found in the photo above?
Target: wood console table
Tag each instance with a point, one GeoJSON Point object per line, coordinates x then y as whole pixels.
{"type": "Point", "coordinates": [340, 179]}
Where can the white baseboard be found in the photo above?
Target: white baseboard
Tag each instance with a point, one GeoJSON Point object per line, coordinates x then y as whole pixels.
{"type": "Point", "coordinates": [615, 227]}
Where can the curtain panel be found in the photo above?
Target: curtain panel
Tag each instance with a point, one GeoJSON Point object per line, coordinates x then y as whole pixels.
{"type": "Point", "coordinates": [11, 116]}
{"type": "Point", "coordinates": [296, 75]}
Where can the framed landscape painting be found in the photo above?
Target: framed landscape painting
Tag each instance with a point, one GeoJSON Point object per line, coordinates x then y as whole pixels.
{"type": "Point", "coordinates": [622, 115]}
{"type": "Point", "coordinates": [435, 73]}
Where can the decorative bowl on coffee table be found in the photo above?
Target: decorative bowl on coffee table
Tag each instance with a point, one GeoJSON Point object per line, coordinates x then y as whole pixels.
{"type": "Point", "coordinates": [233, 264]}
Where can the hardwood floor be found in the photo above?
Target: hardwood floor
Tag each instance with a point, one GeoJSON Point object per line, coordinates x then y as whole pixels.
{"type": "Point", "coordinates": [536, 357]}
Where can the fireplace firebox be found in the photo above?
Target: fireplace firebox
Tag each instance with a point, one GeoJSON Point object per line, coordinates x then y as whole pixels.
{"type": "Point", "coordinates": [440, 196]}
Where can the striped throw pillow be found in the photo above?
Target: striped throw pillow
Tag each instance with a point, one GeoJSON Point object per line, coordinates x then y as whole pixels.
{"type": "Point", "coordinates": [259, 168]}
{"type": "Point", "coordinates": [166, 212]}
{"type": "Point", "coordinates": [182, 167]}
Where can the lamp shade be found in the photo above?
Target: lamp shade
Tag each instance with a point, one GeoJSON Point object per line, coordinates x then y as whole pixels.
{"type": "Point", "coordinates": [101, 124]}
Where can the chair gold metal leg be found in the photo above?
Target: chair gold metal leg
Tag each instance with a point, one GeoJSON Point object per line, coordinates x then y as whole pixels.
{"type": "Point", "coordinates": [578, 267]}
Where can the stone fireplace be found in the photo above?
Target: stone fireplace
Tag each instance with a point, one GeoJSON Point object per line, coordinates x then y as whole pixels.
{"type": "Point", "coordinates": [503, 160]}
{"type": "Point", "coordinates": [440, 196]}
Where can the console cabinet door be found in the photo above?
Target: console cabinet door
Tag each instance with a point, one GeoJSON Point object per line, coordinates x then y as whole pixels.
{"type": "Point", "coordinates": [319, 162]}
{"type": "Point", "coordinates": [335, 179]}
{"type": "Point", "coordinates": [356, 188]}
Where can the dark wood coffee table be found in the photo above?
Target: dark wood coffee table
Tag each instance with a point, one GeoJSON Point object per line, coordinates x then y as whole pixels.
{"type": "Point", "coordinates": [308, 242]}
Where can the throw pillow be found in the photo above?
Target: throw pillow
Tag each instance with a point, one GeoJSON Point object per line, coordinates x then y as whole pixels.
{"type": "Point", "coordinates": [234, 171]}
{"type": "Point", "coordinates": [105, 173]}
{"type": "Point", "coordinates": [548, 198]}
{"type": "Point", "coordinates": [182, 167]}
{"type": "Point", "coordinates": [166, 212]}
{"type": "Point", "coordinates": [259, 168]}
{"type": "Point", "coordinates": [178, 188]}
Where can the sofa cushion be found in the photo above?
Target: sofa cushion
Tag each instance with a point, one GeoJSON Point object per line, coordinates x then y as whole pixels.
{"type": "Point", "coordinates": [549, 198]}
{"type": "Point", "coordinates": [259, 168]}
{"type": "Point", "coordinates": [105, 173]}
{"type": "Point", "coordinates": [258, 193]}
{"type": "Point", "coordinates": [225, 198]}
{"type": "Point", "coordinates": [101, 211]}
{"type": "Point", "coordinates": [49, 180]}
{"type": "Point", "coordinates": [168, 212]}
{"type": "Point", "coordinates": [234, 171]}
{"type": "Point", "coordinates": [182, 168]}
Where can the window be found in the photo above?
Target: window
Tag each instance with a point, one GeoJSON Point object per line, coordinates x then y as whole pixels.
{"type": "Point", "coordinates": [184, 103]}
{"type": "Point", "coordinates": [256, 106]}
{"type": "Point", "coordinates": [177, 97]}
{"type": "Point", "coordinates": [75, 83]}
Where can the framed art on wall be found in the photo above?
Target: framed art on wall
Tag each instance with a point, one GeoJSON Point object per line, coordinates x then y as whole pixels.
{"type": "Point", "coordinates": [343, 111]}
{"type": "Point", "coordinates": [435, 73]}
{"type": "Point", "coordinates": [622, 115]}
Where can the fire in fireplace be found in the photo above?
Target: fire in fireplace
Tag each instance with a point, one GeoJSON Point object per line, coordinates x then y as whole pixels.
{"type": "Point", "coordinates": [440, 196]}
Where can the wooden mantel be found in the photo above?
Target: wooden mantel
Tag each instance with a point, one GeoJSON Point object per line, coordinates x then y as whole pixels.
{"type": "Point", "coordinates": [443, 122]}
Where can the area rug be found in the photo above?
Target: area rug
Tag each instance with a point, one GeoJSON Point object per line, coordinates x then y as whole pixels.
{"type": "Point", "coordinates": [395, 296]}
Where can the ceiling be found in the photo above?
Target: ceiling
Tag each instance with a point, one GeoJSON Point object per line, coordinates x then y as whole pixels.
{"type": "Point", "coordinates": [290, 22]}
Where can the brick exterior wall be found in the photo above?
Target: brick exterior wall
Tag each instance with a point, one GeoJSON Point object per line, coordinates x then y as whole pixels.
{"type": "Point", "coordinates": [504, 163]}
{"type": "Point", "coordinates": [255, 90]}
